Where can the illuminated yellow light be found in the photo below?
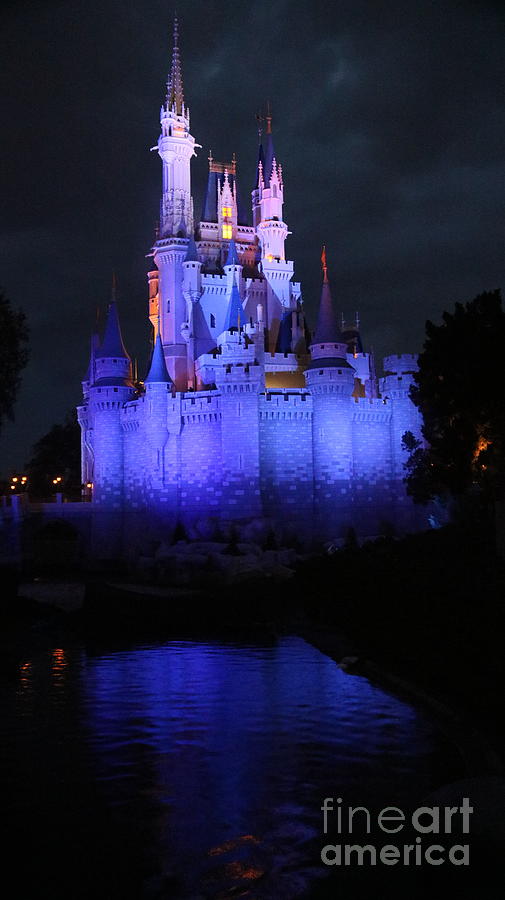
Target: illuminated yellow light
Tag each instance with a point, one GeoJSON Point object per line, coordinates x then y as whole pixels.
{"type": "Point", "coordinates": [89, 484]}
{"type": "Point", "coordinates": [226, 212]}
{"type": "Point", "coordinates": [14, 479]}
{"type": "Point", "coordinates": [482, 444]}
{"type": "Point", "coordinates": [24, 478]}
{"type": "Point", "coordinates": [227, 231]}
{"type": "Point", "coordinates": [13, 487]}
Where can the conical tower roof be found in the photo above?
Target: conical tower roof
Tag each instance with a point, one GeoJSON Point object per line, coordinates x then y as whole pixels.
{"type": "Point", "coordinates": [158, 372]}
{"type": "Point", "coordinates": [235, 314]}
{"type": "Point", "coordinates": [327, 330]}
{"type": "Point", "coordinates": [112, 344]}
{"type": "Point", "coordinates": [232, 259]}
{"type": "Point", "coordinates": [191, 252]}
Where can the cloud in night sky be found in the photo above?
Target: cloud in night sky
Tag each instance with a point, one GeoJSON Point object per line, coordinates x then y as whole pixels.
{"type": "Point", "coordinates": [388, 120]}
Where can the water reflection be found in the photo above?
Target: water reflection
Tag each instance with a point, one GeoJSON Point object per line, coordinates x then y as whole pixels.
{"type": "Point", "coordinates": [192, 770]}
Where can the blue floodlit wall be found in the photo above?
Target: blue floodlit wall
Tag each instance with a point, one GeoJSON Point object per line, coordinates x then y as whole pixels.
{"type": "Point", "coordinates": [309, 462]}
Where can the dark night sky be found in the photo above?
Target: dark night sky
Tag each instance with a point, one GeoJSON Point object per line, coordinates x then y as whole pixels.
{"type": "Point", "coordinates": [389, 122]}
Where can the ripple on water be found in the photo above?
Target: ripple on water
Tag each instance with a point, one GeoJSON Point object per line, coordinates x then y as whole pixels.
{"type": "Point", "coordinates": [208, 762]}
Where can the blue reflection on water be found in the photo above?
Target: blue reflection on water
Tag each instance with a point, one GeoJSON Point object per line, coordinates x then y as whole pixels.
{"type": "Point", "coordinates": [224, 753]}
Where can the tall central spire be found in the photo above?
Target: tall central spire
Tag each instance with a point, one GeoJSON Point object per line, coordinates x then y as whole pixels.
{"type": "Point", "coordinates": [175, 92]}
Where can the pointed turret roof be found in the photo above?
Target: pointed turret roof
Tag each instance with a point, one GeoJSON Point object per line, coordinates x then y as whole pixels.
{"type": "Point", "coordinates": [260, 165]}
{"type": "Point", "coordinates": [235, 314]}
{"type": "Point", "coordinates": [232, 259]}
{"type": "Point", "coordinates": [266, 151]}
{"type": "Point", "coordinates": [90, 371]}
{"type": "Point", "coordinates": [175, 92]}
{"type": "Point", "coordinates": [112, 344]}
{"type": "Point", "coordinates": [191, 252]}
{"type": "Point", "coordinates": [327, 330]}
{"type": "Point", "coordinates": [158, 372]}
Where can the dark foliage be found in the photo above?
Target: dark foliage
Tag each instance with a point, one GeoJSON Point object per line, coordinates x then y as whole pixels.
{"type": "Point", "coordinates": [13, 355]}
{"type": "Point", "coordinates": [459, 392]}
{"type": "Point", "coordinates": [57, 454]}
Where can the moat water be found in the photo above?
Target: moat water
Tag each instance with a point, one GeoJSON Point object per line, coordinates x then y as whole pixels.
{"type": "Point", "coordinates": [198, 769]}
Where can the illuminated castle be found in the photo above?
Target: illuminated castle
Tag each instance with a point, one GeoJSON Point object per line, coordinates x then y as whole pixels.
{"type": "Point", "coordinates": [245, 416]}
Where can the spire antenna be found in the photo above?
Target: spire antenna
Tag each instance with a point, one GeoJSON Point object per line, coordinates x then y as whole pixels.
{"type": "Point", "coordinates": [114, 287]}
{"type": "Point", "coordinates": [259, 124]}
{"type": "Point", "coordinates": [175, 95]}
{"type": "Point", "coordinates": [268, 118]}
{"type": "Point", "coordinates": [324, 264]}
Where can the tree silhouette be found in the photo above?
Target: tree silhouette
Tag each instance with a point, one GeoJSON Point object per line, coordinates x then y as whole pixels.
{"type": "Point", "coordinates": [56, 455]}
{"type": "Point", "coordinates": [13, 355]}
{"type": "Point", "coordinates": [459, 391]}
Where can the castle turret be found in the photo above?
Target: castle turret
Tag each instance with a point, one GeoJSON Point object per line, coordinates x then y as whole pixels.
{"type": "Point", "coordinates": [330, 379]}
{"type": "Point", "coordinates": [395, 389]}
{"type": "Point", "coordinates": [85, 420]}
{"type": "Point", "coordinates": [176, 146]}
{"type": "Point", "coordinates": [112, 388]}
{"type": "Point", "coordinates": [158, 388]}
{"type": "Point", "coordinates": [233, 266]}
{"type": "Point", "coordinates": [239, 378]}
{"type": "Point", "coordinates": [271, 232]}
{"type": "Point", "coordinates": [268, 201]}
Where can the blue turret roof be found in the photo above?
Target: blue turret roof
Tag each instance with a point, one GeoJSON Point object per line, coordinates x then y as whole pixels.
{"type": "Point", "coordinates": [235, 314]}
{"type": "Point", "coordinates": [261, 159]}
{"type": "Point", "coordinates": [232, 259]}
{"type": "Point", "coordinates": [90, 371]}
{"type": "Point", "coordinates": [192, 252]}
{"type": "Point", "coordinates": [209, 210]}
{"type": "Point", "coordinates": [158, 372]}
{"type": "Point", "coordinates": [112, 344]}
{"type": "Point", "coordinates": [285, 336]}
{"type": "Point", "coordinates": [327, 330]}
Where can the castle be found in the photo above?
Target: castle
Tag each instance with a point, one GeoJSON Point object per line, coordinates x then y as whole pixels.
{"type": "Point", "coordinates": [244, 416]}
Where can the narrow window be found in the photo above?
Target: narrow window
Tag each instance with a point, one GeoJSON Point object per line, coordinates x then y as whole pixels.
{"type": "Point", "coordinates": [212, 320]}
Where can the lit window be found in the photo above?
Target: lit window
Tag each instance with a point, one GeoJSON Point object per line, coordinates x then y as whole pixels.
{"type": "Point", "coordinates": [226, 212]}
{"type": "Point", "coordinates": [227, 231]}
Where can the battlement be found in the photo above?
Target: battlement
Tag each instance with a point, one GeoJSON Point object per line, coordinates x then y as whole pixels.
{"type": "Point", "coordinates": [169, 242]}
{"type": "Point", "coordinates": [285, 404]}
{"type": "Point", "coordinates": [201, 402]}
{"type": "Point", "coordinates": [371, 410]}
{"type": "Point", "coordinates": [280, 397]}
{"type": "Point", "coordinates": [401, 364]}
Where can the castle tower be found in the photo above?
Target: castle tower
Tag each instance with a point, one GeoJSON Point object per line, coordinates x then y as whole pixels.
{"type": "Point", "coordinates": [330, 379]}
{"type": "Point", "coordinates": [271, 232]}
{"type": "Point", "coordinates": [395, 389]}
{"type": "Point", "coordinates": [158, 387]}
{"type": "Point", "coordinates": [176, 147]}
{"type": "Point", "coordinates": [239, 378]}
{"type": "Point", "coordinates": [111, 389]}
{"type": "Point", "coordinates": [233, 267]}
{"type": "Point", "coordinates": [196, 330]}
{"type": "Point", "coordinates": [84, 419]}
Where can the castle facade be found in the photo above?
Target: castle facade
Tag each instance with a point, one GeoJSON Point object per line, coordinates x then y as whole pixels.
{"type": "Point", "coordinates": [245, 416]}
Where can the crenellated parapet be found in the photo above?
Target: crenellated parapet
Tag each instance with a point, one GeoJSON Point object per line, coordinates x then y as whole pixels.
{"type": "Point", "coordinates": [371, 411]}
{"type": "Point", "coordinates": [403, 363]}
